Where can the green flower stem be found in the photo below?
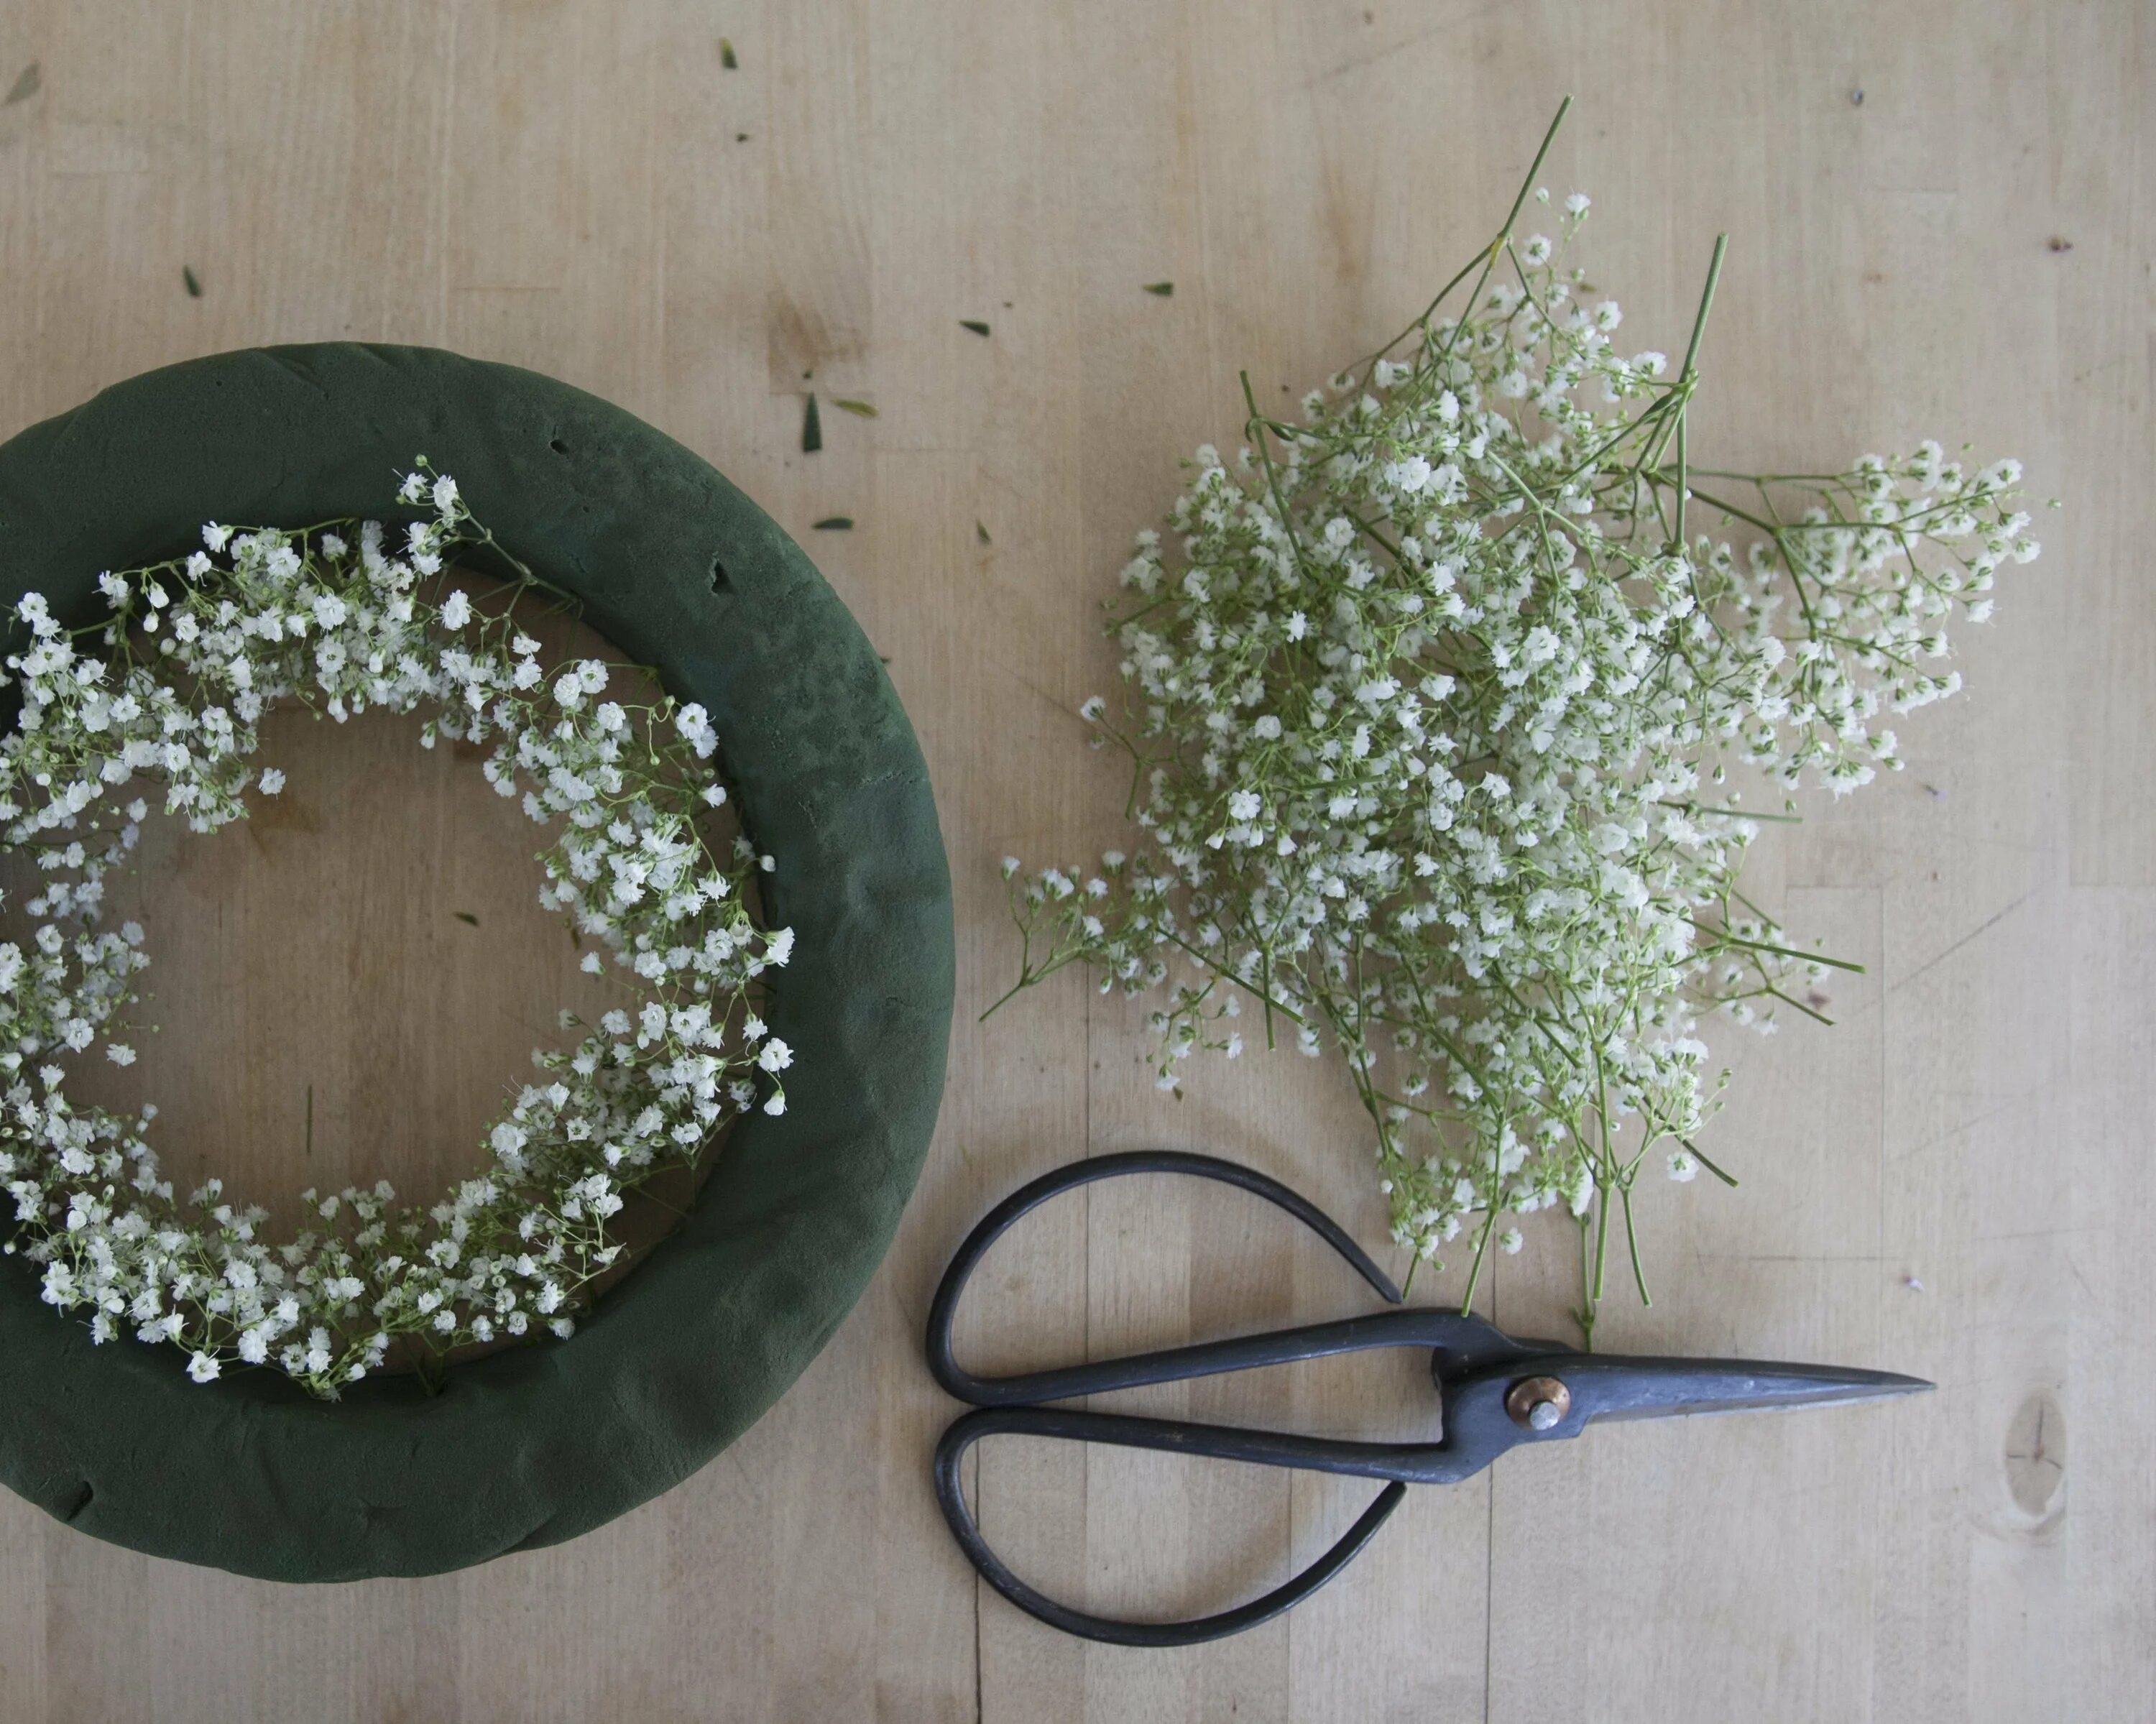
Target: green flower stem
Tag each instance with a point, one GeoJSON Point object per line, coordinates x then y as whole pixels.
{"type": "Point", "coordinates": [1722, 936]}
{"type": "Point", "coordinates": [1489, 255]}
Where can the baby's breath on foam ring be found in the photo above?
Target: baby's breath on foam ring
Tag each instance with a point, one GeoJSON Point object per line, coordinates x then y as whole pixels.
{"type": "Point", "coordinates": [170, 687]}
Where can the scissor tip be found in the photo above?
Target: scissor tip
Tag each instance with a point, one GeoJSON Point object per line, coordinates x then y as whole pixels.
{"type": "Point", "coordinates": [1866, 1386]}
{"type": "Point", "coordinates": [1694, 1386]}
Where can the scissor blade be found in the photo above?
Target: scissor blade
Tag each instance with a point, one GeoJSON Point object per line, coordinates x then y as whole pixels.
{"type": "Point", "coordinates": [1617, 1388]}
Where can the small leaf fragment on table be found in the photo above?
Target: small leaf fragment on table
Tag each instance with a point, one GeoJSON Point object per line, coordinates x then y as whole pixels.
{"type": "Point", "coordinates": [984, 532]}
{"type": "Point", "coordinates": [187, 280]}
{"type": "Point", "coordinates": [466, 916]}
{"type": "Point", "coordinates": [727, 58]}
{"type": "Point", "coordinates": [1164, 289]}
{"type": "Point", "coordinates": [811, 429]}
{"type": "Point", "coordinates": [25, 86]}
{"type": "Point", "coordinates": [860, 409]}
{"type": "Point", "coordinates": [835, 524]}
{"type": "Point", "coordinates": [974, 323]}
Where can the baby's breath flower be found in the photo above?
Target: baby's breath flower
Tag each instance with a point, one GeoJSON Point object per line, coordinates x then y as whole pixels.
{"type": "Point", "coordinates": [1440, 706]}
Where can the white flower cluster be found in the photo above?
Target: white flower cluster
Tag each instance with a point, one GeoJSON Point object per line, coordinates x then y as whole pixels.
{"type": "Point", "coordinates": [170, 687]}
{"type": "Point", "coordinates": [1433, 704]}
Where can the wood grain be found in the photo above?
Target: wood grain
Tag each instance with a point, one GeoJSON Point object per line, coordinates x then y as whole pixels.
{"type": "Point", "coordinates": [581, 185]}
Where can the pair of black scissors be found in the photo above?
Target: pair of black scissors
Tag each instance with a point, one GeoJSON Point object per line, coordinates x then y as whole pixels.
{"type": "Point", "coordinates": [1497, 1393]}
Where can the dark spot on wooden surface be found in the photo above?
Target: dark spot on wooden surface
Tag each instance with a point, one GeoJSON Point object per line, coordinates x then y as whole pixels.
{"type": "Point", "coordinates": [2036, 1456]}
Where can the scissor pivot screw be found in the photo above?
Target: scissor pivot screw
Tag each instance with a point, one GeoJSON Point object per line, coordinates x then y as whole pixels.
{"type": "Point", "coordinates": [1538, 1403]}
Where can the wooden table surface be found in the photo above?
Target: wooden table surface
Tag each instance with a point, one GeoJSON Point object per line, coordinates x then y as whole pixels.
{"type": "Point", "coordinates": [1940, 222]}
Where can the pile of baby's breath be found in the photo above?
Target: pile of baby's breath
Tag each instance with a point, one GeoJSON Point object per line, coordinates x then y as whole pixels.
{"type": "Point", "coordinates": [1433, 698]}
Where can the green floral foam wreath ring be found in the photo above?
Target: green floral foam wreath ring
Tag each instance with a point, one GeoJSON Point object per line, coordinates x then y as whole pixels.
{"type": "Point", "coordinates": [531, 1446]}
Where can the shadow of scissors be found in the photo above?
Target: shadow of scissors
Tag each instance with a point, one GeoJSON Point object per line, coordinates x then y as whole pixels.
{"type": "Point", "coordinates": [1495, 1394]}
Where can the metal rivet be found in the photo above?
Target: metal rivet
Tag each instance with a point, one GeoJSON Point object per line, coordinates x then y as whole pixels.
{"type": "Point", "coordinates": [1538, 1403]}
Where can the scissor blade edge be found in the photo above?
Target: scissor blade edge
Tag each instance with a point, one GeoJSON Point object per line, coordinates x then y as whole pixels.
{"type": "Point", "coordinates": [1766, 1390]}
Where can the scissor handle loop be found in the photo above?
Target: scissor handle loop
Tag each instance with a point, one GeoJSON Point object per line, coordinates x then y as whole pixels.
{"type": "Point", "coordinates": [1087, 1379]}
{"type": "Point", "coordinates": [1144, 1434]}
